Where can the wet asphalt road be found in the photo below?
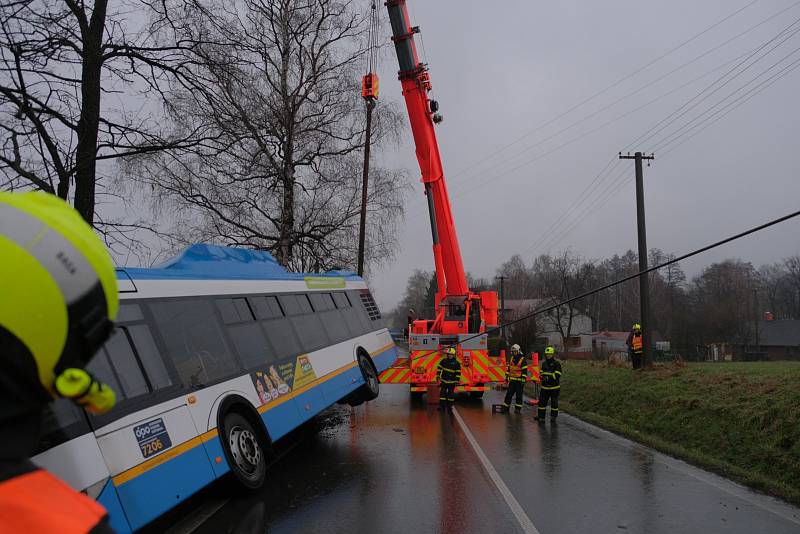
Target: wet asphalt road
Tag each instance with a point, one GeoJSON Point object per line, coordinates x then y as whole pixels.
{"type": "Point", "coordinates": [394, 466]}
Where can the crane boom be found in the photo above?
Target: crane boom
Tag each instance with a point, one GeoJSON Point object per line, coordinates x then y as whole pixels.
{"type": "Point", "coordinates": [462, 316]}
{"type": "Point", "coordinates": [415, 82]}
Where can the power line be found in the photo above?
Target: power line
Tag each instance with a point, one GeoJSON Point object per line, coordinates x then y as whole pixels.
{"type": "Point", "coordinates": [640, 273]}
{"type": "Point", "coordinates": [593, 130]}
{"type": "Point", "coordinates": [682, 110]}
{"type": "Point", "coordinates": [671, 138]}
{"type": "Point", "coordinates": [607, 194]}
{"type": "Point", "coordinates": [609, 87]}
{"type": "Point", "coordinates": [783, 73]}
{"type": "Point", "coordinates": [475, 168]}
{"type": "Point", "coordinates": [686, 128]}
{"type": "Point", "coordinates": [719, 114]}
{"type": "Point", "coordinates": [586, 191]}
{"type": "Point", "coordinates": [607, 123]}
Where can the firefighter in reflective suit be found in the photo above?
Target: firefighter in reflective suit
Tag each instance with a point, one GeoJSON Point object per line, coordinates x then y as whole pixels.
{"type": "Point", "coordinates": [57, 305]}
{"type": "Point", "coordinates": [550, 386]}
{"type": "Point", "coordinates": [449, 375]}
{"type": "Point", "coordinates": [517, 374]}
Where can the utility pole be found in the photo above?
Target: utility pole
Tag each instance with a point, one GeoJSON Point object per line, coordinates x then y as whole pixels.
{"type": "Point", "coordinates": [502, 307]}
{"type": "Point", "coordinates": [362, 229]}
{"type": "Point", "coordinates": [755, 319]}
{"type": "Point", "coordinates": [644, 280]}
{"type": "Point", "coordinates": [369, 92]}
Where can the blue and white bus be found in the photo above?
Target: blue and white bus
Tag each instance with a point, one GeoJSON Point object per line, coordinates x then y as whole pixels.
{"type": "Point", "coordinates": [216, 355]}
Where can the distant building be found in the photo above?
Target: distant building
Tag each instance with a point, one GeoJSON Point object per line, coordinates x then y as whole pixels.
{"type": "Point", "coordinates": [578, 340]}
{"type": "Point", "coordinates": [779, 340]}
{"type": "Point", "coordinates": [608, 345]}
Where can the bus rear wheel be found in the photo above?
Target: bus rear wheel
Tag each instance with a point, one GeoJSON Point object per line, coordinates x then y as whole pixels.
{"type": "Point", "coordinates": [245, 450]}
{"type": "Point", "coordinates": [371, 387]}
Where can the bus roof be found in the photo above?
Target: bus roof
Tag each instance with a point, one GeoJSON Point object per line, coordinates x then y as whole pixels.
{"type": "Point", "coordinates": [212, 262]}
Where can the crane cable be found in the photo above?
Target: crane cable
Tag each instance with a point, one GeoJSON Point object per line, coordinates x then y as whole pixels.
{"type": "Point", "coordinates": [372, 40]}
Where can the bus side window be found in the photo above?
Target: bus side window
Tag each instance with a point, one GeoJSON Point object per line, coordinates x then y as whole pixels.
{"type": "Point", "coordinates": [281, 334]}
{"type": "Point", "coordinates": [310, 330]}
{"type": "Point", "coordinates": [321, 301]}
{"type": "Point", "coordinates": [350, 314]}
{"type": "Point", "coordinates": [250, 343]}
{"type": "Point", "coordinates": [116, 365]}
{"type": "Point", "coordinates": [266, 307]}
{"type": "Point", "coordinates": [290, 304]}
{"type": "Point", "coordinates": [234, 310]}
{"type": "Point", "coordinates": [361, 312]}
{"type": "Point", "coordinates": [149, 355]}
{"type": "Point", "coordinates": [335, 325]}
{"type": "Point", "coordinates": [341, 300]}
{"type": "Point", "coordinates": [194, 341]}
{"type": "Point", "coordinates": [62, 421]}
{"type": "Point", "coordinates": [305, 304]}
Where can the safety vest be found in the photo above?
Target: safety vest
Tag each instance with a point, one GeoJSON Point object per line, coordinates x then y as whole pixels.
{"type": "Point", "coordinates": [517, 371]}
{"type": "Point", "coordinates": [636, 343]}
{"type": "Point", "coordinates": [39, 502]}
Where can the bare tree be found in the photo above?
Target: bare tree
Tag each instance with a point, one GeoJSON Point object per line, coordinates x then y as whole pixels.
{"type": "Point", "coordinates": [792, 264]}
{"type": "Point", "coordinates": [567, 278]}
{"type": "Point", "coordinates": [415, 297]}
{"type": "Point", "coordinates": [278, 89]}
{"type": "Point", "coordinates": [74, 81]}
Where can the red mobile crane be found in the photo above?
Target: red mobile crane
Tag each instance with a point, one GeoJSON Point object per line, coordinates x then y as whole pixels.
{"type": "Point", "coordinates": [461, 315]}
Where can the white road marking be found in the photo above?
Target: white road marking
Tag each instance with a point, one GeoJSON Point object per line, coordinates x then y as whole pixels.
{"type": "Point", "coordinates": [522, 518]}
{"type": "Point", "coordinates": [765, 502]}
{"type": "Point", "coordinates": [195, 520]}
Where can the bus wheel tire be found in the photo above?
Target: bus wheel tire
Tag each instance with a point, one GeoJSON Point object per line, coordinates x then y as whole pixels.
{"type": "Point", "coordinates": [371, 387]}
{"type": "Point", "coordinates": [245, 450]}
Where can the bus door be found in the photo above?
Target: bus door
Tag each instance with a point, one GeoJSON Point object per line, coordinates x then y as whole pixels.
{"type": "Point", "coordinates": [150, 443]}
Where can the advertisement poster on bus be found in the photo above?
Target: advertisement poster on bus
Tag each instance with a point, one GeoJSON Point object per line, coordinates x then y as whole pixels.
{"type": "Point", "coordinates": [277, 380]}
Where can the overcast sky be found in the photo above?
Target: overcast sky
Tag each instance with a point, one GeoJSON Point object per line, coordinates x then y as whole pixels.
{"type": "Point", "coordinates": [502, 69]}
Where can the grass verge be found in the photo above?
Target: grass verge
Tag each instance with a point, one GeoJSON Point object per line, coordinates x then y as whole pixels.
{"type": "Point", "coordinates": [740, 420]}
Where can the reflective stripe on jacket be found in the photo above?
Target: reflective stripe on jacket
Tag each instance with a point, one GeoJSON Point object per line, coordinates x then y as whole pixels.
{"type": "Point", "coordinates": [517, 369]}
{"type": "Point", "coordinates": [448, 371]}
{"type": "Point", "coordinates": [550, 374]}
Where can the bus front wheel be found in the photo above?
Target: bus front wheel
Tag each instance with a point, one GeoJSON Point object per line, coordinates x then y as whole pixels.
{"type": "Point", "coordinates": [245, 449]}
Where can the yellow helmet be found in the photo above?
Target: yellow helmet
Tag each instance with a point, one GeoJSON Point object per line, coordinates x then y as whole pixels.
{"type": "Point", "coordinates": [549, 350]}
{"type": "Point", "coordinates": [59, 297]}
{"type": "Point", "coordinates": [637, 326]}
{"type": "Point", "coordinates": [451, 351]}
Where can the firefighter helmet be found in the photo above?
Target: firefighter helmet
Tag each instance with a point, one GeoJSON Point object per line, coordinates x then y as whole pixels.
{"type": "Point", "coordinates": [450, 351]}
{"type": "Point", "coordinates": [637, 326]}
{"type": "Point", "coordinates": [60, 305]}
{"type": "Point", "coordinates": [549, 350]}
{"type": "Point", "coordinates": [515, 348]}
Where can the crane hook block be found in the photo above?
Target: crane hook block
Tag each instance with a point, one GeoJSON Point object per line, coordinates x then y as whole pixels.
{"type": "Point", "coordinates": [369, 86]}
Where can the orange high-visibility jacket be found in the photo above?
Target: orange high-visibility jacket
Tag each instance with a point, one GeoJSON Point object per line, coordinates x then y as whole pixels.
{"type": "Point", "coordinates": [518, 368]}
{"type": "Point", "coordinates": [39, 502]}
{"type": "Point", "coordinates": [636, 342]}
